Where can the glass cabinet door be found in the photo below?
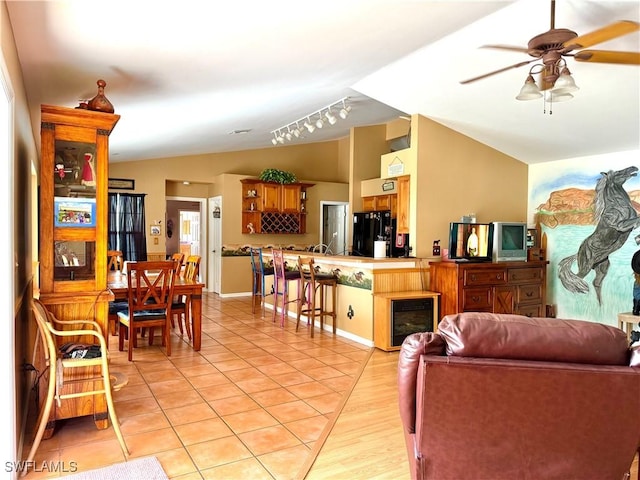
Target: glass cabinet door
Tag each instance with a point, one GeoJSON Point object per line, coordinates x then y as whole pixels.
{"type": "Point", "coordinates": [74, 215]}
{"type": "Point", "coordinates": [74, 172]}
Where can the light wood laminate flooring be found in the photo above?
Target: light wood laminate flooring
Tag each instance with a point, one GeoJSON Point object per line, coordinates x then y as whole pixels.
{"type": "Point", "coordinates": [257, 402]}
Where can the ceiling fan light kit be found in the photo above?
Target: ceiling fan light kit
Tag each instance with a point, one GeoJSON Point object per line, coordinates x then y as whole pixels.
{"type": "Point", "coordinates": [292, 130]}
{"type": "Point", "coordinates": [555, 83]}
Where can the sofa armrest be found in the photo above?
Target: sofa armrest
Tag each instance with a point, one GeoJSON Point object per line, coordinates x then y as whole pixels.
{"type": "Point", "coordinates": [415, 345]}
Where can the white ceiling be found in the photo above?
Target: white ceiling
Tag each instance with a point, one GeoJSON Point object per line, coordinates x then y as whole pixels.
{"type": "Point", "coordinates": [183, 76]}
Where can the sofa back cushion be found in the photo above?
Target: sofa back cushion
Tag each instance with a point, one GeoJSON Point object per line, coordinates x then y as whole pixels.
{"type": "Point", "coordinates": [489, 335]}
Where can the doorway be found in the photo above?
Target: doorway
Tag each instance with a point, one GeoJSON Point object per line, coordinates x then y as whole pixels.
{"type": "Point", "coordinates": [189, 232]}
{"type": "Point", "coordinates": [186, 227]}
{"type": "Point", "coordinates": [334, 227]}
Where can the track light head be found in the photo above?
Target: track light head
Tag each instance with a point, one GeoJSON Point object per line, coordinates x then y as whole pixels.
{"type": "Point", "coordinates": [320, 122]}
{"type": "Point", "coordinates": [331, 118]}
{"type": "Point", "coordinates": [309, 126]}
{"type": "Point", "coordinates": [344, 111]}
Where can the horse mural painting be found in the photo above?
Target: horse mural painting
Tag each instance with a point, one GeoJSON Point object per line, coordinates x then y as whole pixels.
{"type": "Point", "coordinates": [615, 219]}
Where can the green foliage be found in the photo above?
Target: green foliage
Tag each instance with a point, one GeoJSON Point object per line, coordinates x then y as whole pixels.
{"type": "Point", "coordinates": [277, 176]}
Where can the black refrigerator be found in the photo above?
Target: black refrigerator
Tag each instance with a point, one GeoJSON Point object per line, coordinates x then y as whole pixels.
{"type": "Point", "coordinates": [371, 226]}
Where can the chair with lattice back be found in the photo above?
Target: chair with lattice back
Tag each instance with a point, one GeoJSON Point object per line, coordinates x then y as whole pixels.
{"type": "Point", "coordinates": [150, 293]}
{"type": "Point", "coordinates": [61, 356]}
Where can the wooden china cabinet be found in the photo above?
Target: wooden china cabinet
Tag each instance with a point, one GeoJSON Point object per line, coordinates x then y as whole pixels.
{"type": "Point", "coordinates": [73, 228]}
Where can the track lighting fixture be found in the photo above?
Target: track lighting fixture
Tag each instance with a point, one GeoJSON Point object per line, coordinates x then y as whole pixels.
{"type": "Point", "coordinates": [311, 122]}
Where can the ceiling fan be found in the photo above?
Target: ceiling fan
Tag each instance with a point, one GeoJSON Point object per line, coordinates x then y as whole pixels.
{"type": "Point", "coordinates": [553, 45]}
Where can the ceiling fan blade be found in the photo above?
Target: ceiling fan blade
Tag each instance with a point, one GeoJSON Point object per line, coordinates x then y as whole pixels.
{"type": "Point", "coordinates": [605, 56]}
{"type": "Point", "coordinates": [603, 34]}
{"type": "Point", "coordinates": [515, 65]}
{"type": "Point", "coordinates": [512, 48]}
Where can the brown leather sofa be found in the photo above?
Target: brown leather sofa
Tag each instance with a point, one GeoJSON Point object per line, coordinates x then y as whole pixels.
{"type": "Point", "coordinates": [493, 397]}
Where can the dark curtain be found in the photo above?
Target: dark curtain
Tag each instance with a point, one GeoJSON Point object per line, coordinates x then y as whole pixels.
{"type": "Point", "coordinates": [127, 225]}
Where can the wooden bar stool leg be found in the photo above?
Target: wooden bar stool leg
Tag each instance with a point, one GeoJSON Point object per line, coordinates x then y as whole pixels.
{"type": "Point", "coordinates": [334, 313]}
{"type": "Point", "coordinates": [323, 306]}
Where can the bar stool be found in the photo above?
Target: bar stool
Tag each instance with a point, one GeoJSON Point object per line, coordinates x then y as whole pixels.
{"type": "Point", "coordinates": [312, 282]}
{"type": "Point", "coordinates": [281, 279]}
{"type": "Point", "coordinates": [260, 272]}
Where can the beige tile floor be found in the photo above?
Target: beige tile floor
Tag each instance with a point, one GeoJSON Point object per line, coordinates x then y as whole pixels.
{"type": "Point", "coordinates": [250, 405]}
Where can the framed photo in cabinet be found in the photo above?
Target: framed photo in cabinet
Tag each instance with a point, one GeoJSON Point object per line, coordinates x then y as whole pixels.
{"type": "Point", "coordinates": [74, 212]}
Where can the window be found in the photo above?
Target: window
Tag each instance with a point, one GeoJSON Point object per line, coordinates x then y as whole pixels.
{"type": "Point", "coordinates": [127, 225]}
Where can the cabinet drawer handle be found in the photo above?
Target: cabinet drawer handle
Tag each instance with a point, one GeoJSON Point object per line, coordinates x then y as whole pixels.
{"type": "Point", "coordinates": [475, 299]}
{"type": "Point", "coordinates": [473, 277]}
{"type": "Point", "coordinates": [499, 276]}
{"type": "Point", "coordinates": [529, 294]}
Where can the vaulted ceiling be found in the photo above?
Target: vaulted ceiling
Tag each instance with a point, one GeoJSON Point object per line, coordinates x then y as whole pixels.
{"type": "Point", "coordinates": [185, 75]}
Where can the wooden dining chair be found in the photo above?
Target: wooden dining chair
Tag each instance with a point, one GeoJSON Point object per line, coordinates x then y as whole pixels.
{"type": "Point", "coordinates": [150, 291]}
{"type": "Point", "coordinates": [180, 308]}
{"type": "Point", "coordinates": [115, 260]}
{"type": "Point", "coordinates": [53, 335]}
{"type": "Point", "coordinates": [178, 257]}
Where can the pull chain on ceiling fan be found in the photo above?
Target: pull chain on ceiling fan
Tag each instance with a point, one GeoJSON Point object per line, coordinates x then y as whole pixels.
{"type": "Point", "coordinates": [555, 82]}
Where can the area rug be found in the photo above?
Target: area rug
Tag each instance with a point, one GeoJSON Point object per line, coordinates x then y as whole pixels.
{"type": "Point", "coordinates": [147, 468]}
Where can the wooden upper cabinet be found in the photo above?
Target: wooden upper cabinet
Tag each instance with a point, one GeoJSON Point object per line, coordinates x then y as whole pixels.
{"type": "Point", "coordinates": [368, 204]}
{"type": "Point", "coordinates": [290, 198]}
{"type": "Point", "coordinates": [402, 208]}
{"type": "Point", "coordinates": [273, 207]}
{"type": "Point", "coordinates": [380, 202]}
{"type": "Point", "coordinates": [271, 197]}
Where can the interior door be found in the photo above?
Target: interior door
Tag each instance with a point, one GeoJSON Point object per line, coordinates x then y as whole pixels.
{"type": "Point", "coordinates": [215, 214]}
{"type": "Point", "coordinates": [334, 227]}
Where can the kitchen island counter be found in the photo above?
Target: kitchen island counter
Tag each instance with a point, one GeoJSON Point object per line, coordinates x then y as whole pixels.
{"type": "Point", "coordinates": [359, 278]}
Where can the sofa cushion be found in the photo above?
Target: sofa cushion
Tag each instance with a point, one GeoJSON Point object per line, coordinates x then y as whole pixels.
{"type": "Point", "coordinates": [489, 335]}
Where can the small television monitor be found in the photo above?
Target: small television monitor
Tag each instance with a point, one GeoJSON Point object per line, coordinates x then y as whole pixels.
{"type": "Point", "coordinates": [509, 242]}
{"type": "Point", "coordinates": [470, 242]}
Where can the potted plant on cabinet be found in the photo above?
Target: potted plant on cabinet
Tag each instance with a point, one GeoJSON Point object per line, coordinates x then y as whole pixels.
{"type": "Point", "coordinates": [277, 176]}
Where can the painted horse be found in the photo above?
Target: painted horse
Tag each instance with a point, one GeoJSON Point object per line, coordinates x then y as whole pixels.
{"type": "Point", "coordinates": [615, 219]}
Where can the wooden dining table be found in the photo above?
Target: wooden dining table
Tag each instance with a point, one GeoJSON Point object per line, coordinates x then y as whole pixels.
{"type": "Point", "coordinates": [117, 283]}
